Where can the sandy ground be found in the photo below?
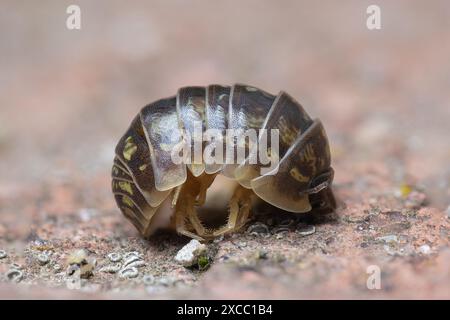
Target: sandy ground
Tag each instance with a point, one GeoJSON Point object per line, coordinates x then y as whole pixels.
{"type": "Point", "coordinates": [67, 96]}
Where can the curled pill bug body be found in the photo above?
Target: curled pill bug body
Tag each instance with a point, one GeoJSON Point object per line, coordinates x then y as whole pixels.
{"type": "Point", "coordinates": [154, 189]}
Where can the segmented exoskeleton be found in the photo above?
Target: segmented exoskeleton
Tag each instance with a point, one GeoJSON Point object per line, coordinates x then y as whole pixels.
{"type": "Point", "coordinates": [145, 175]}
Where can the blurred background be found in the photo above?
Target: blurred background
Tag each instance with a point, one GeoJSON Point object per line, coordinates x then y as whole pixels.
{"type": "Point", "coordinates": [66, 97]}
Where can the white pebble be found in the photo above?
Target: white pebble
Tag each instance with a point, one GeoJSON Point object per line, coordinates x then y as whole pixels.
{"type": "Point", "coordinates": [425, 249]}
{"type": "Point", "coordinates": [258, 228]}
{"type": "Point", "coordinates": [130, 260]}
{"type": "Point", "coordinates": [14, 275]}
{"type": "Point", "coordinates": [188, 255]}
{"type": "Point", "coordinates": [388, 239]}
{"type": "Point", "coordinates": [135, 264]}
{"type": "Point", "coordinates": [113, 268]}
{"type": "Point", "coordinates": [42, 258]}
{"type": "Point", "coordinates": [306, 230]}
{"type": "Point", "coordinates": [132, 253]}
{"type": "Point", "coordinates": [129, 272]}
{"type": "Point", "coordinates": [114, 257]}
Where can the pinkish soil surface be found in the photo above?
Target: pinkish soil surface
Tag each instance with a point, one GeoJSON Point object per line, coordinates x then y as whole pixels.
{"type": "Point", "coordinates": [67, 96]}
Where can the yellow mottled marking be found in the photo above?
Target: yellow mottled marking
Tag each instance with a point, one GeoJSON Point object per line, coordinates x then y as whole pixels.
{"type": "Point", "coordinates": [295, 173]}
{"type": "Point", "coordinates": [129, 149]}
{"type": "Point", "coordinates": [143, 167]}
{"type": "Point", "coordinates": [127, 201]}
{"type": "Point", "coordinates": [126, 186]}
{"type": "Point", "coordinates": [308, 155]}
{"type": "Point", "coordinates": [288, 133]}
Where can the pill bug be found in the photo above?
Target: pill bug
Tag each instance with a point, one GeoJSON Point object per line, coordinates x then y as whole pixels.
{"type": "Point", "coordinates": [146, 182]}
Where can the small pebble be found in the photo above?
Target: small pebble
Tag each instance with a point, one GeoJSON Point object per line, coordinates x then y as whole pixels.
{"type": "Point", "coordinates": [3, 254]}
{"type": "Point", "coordinates": [305, 229]}
{"type": "Point", "coordinates": [242, 244]}
{"type": "Point", "coordinates": [148, 279]}
{"type": "Point", "coordinates": [448, 212]}
{"type": "Point", "coordinates": [280, 230]}
{"type": "Point", "coordinates": [114, 257]}
{"type": "Point", "coordinates": [57, 267]}
{"type": "Point", "coordinates": [258, 228]}
{"type": "Point", "coordinates": [129, 272]}
{"type": "Point", "coordinates": [356, 219]}
{"type": "Point", "coordinates": [42, 259]}
{"type": "Point", "coordinates": [14, 275]}
{"type": "Point", "coordinates": [287, 223]}
{"type": "Point", "coordinates": [131, 259]}
{"type": "Point", "coordinates": [132, 253]}
{"type": "Point", "coordinates": [16, 266]}
{"type": "Point", "coordinates": [279, 236]}
{"type": "Point", "coordinates": [188, 255]}
{"type": "Point", "coordinates": [112, 268]}
{"type": "Point", "coordinates": [135, 264]}
{"type": "Point", "coordinates": [224, 258]}
{"type": "Point", "coordinates": [219, 239]}
{"type": "Point", "coordinates": [388, 238]}
{"type": "Point", "coordinates": [425, 249]}
{"type": "Point", "coordinates": [364, 245]}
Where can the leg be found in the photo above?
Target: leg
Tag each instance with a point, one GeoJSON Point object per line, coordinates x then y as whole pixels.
{"type": "Point", "coordinates": [240, 204]}
{"type": "Point", "coordinates": [205, 182]}
{"type": "Point", "coordinates": [180, 223]}
{"type": "Point", "coordinates": [194, 219]}
{"type": "Point", "coordinates": [185, 210]}
{"type": "Point", "coordinates": [176, 194]}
